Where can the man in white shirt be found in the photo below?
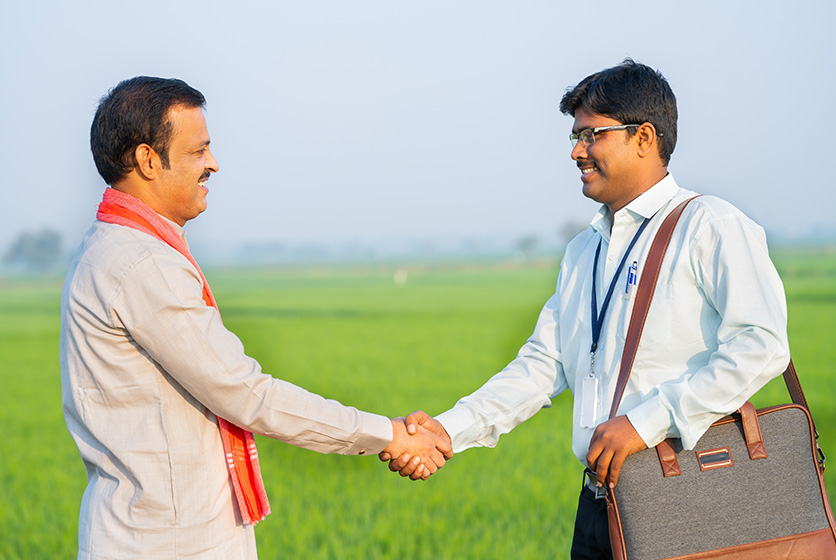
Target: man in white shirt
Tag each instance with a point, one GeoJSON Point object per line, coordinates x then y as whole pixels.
{"type": "Point", "coordinates": [715, 331]}
{"type": "Point", "coordinates": [159, 397]}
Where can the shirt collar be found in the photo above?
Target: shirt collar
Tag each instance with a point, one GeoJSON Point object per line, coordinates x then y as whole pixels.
{"type": "Point", "coordinates": [643, 206]}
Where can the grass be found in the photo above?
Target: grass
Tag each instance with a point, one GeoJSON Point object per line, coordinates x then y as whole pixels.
{"type": "Point", "coordinates": [356, 336]}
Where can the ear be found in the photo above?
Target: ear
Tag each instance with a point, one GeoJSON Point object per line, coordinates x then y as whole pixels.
{"type": "Point", "coordinates": [646, 140]}
{"type": "Point", "coordinates": [148, 162]}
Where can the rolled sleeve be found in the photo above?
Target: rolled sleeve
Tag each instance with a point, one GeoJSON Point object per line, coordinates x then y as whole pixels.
{"type": "Point", "coordinates": [651, 420]}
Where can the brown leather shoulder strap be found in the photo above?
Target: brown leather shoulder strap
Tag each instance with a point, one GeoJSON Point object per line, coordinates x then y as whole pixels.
{"type": "Point", "coordinates": [794, 386]}
{"type": "Point", "coordinates": [644, 293]}
{"type": "Point", "coordinates": [797, 393]}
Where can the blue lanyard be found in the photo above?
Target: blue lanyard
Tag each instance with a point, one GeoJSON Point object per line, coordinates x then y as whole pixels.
{"type": "Point", "coordinates": [598, 320]}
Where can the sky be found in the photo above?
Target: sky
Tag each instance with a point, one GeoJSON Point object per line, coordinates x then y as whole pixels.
{"type": "Point", "coordinates": [381, 122]}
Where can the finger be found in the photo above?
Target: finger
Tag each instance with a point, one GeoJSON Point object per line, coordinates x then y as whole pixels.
{"type": "Point", "coordinates": [594, 453]}
{"type": "Point", "coordinates": [440, 443]}
{"type": "Point", "coordinates": [445, 449]}
{"type": "Point", "coordinates": [410, 467]}
{"type": "Point", "coordinates": [437, 458]}
{"type": "Point", "coordinates": [615, 469]}
{"type": "Point", "coordinates": [443, 445]}
{"type": "Point", "coordinates": [383, 456]}
{"type": "Point", "coordinates": [396, 465]}
{"type": "Point", "coordinates": [592, 459]}
{"type": "Point", "coordinates": [602, 467]}
{"type": "Point", "coordinates": [427, 475]}
{"type": "Point", "coordinates": [421, 473]}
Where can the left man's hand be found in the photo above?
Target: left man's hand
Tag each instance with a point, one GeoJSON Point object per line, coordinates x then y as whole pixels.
{"type": "Point", "coordinates": [612, 442]}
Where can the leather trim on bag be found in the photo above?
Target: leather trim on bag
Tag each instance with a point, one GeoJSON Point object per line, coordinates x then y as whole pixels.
{"type": "Point", "coordinates": [814, 545]}
{"type": "Point", "coordinates": [715, 459]}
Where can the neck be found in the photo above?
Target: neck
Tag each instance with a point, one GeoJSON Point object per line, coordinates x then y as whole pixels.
{"type": "Point", "coordinates": [642, 186]}
{"type": "Point", "coordinates": [135, 189]}
{"type": "Point", "coordinates": [144, 191]}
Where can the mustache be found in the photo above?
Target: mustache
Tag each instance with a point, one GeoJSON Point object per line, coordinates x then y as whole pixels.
{"type": "Point", "coordinates": [204, 176]}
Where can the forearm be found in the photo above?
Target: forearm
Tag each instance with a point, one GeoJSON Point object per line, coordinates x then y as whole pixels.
{"type": "Point", "coordinates": [687, 406]}
{"type": "Point", "coordinates": [506, 400]}
{"type": "Point", "coordinates": [162, 310]}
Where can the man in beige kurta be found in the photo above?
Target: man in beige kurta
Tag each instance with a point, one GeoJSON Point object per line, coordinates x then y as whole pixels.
{"type": "Point", "coordinates": [146, 364]}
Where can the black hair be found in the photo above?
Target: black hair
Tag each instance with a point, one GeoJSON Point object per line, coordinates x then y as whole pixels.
{"type": "Point", "coordinates": [132, 113]}
{"type": "Point", "coordinates": [630, 93]}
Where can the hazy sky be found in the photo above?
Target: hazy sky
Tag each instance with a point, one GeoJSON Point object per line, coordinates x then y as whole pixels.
{"type": "Point", "coordinates": [355, 122]}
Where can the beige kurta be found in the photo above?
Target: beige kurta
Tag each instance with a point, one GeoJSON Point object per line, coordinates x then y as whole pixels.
{"type": "Point", "coordinates": [145, 367]}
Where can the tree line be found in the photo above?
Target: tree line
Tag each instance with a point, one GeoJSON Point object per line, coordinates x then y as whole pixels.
{"type": "Point", "coordinates": [38, 252]}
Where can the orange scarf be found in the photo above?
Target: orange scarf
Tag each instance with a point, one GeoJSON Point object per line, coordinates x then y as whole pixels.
{"type": "Point", "coordinates": [241, 455]}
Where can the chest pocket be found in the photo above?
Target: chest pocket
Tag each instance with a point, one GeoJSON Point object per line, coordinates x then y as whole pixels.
{"type": "Point", "coordinates": [659, 327]}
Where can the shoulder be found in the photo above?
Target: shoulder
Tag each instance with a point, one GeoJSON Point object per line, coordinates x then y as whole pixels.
{"type": "Point", "coordinates": [116, 251]}
{"type": "Point", "coordinates": [714, 216]}
{"type": "Point", "coordinates": [715, 206]}
{"type": "Point", "coordinates": [581, 241]}
{"type": "Point", "coordinates": [579, 250]}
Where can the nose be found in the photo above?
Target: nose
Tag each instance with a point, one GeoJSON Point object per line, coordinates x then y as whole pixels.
{"type": "Point", "coordinates": [211, 163]}
{"type": "Point", "coordinates": [579, 150]}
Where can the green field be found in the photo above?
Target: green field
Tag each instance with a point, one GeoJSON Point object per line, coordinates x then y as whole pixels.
{"type": "Point", "coordinates": [356, 336]}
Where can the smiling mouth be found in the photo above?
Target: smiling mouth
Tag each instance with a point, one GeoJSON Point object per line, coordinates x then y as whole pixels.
{"type": "Point", "coordinates": [587, 168]}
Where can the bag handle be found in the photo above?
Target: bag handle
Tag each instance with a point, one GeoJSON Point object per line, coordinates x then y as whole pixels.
{"type": "Point", "coordinates": [751, 434]}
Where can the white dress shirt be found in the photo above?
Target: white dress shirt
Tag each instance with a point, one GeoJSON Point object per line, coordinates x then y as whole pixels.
{"type": "Point", "coordinates": [715, 331]}
{"type": "Point", "coordinates": [145, 367]}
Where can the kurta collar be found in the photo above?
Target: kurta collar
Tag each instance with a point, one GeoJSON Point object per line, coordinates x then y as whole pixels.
{"type": "Point", "coordinates": [177, 227]}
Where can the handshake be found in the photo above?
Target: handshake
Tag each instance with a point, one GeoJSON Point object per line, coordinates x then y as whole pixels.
{"type": "Point", "coordinates": [419, 448]}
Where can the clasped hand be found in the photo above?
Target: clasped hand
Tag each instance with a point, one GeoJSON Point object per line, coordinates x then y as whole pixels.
{"type": "Point", "coordinates": [419, 448]}
{"type": "Point", "coordinates": [612, 442]}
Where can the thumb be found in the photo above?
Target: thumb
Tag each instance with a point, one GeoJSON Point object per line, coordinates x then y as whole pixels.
{"type": "Point", "coordinates": [414, 419]}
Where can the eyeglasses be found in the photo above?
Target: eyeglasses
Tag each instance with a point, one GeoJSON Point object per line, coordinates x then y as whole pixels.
{"type": "Point", "coordinates": [587, 136]}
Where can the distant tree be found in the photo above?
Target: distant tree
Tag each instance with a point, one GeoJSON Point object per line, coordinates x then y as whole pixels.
{"type": "Point", "coordinates": [38, 252]}
{"type": "Point", "coordinates": [571, 228]}
{"type": "Point", "coordinates": [526, 244]}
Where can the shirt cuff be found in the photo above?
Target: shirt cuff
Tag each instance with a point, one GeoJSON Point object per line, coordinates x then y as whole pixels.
{"type": "Point", "coordinates": [375, 436]}
{"type": "Point", "coordinates": [652, 421]}
{"type": "Point", "coordinates": [461, 428]}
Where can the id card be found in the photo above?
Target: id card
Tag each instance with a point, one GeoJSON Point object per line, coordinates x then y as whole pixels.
{"type": "Point", "coordinates": [589, 401]}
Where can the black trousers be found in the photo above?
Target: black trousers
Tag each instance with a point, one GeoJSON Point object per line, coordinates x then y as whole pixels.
{"type": "Point", "coordinates": [591, 540]}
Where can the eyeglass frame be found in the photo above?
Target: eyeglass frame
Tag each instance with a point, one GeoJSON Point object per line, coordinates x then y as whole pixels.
{"type": "Point", "coordinates": [575, 137]}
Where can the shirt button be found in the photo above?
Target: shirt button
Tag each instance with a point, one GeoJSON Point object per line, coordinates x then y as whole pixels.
{"type": "Point", "coordinates": [362, 452]}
